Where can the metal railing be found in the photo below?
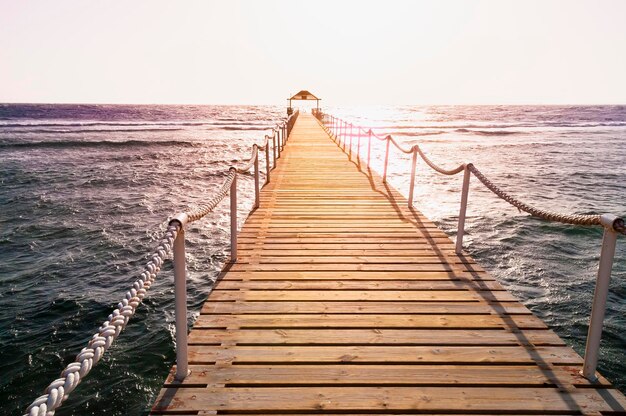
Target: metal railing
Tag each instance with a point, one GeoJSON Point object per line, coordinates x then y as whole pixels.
{"type": "Point", "coordinates": [341, 132]}
{"type": "Point", "coordinates": [173, 242]}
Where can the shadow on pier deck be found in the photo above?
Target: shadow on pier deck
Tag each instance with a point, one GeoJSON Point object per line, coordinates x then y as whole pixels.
{"type": "Point", "coordinates": [345, 301]}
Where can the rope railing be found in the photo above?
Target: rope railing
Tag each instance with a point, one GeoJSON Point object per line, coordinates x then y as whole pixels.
{"type": "Point", "coordinates": [439, 169]}
{"type": "Point", "coordinates": [575, 219]}
{"type": "Point", "coordinates": [172, 242]}
{"type": "Point", "coordinates": [613, 225]}
{"type": "Point", "coordinates": [75, 372]}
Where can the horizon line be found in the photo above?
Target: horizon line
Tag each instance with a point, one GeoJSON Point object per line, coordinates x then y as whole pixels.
{"type": "Point", "coordinates": [334, 105]}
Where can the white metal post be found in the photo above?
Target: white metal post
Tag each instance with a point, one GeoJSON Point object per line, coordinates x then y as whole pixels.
{"type": "Point", "coordinates": [180, 295]}
{"type": "Point", "coordinates": [412, 186]}
{"type": "Point", "coordinates": [256, 176]}
{"type": "Point", "coordinates": [233, 219]}
{"type": "Point", "coordinates": [274, 148]}
{"type": "Point", "coordinates": [338, 135]}
{"type": "Point", "coordinates": [369, 146]}
{"type": "Point", "coordinates": [340, 130]}
{"type": "Point", "coordinates": [599, 298]}
{"type": "Point", "coordinates": [358, 146]}
{"type": "Point", "coordinates": [267, 160]}
{"type": "Point", "coordinates": [386, 160]}
{"type": "Point", "coordinates": [282, 137]}
{"type": "Point", "coordinates": [464, 195]}
{"type": "Point", "coordinates": [350, 151]}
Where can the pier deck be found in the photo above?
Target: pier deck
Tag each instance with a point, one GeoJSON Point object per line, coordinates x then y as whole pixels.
{"type": "Point", "coordinates": [345, 301]}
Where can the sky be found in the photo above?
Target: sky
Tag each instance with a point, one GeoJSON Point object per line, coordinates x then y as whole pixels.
{"type": "Point", "coordinates": [346, 52]}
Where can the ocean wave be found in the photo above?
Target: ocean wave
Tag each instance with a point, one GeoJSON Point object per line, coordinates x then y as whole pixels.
{"type": "Point", "coordinates": [549, 124]}
{"type": "Point", "coordinates": [103, 123]}
{"type": "Point", "coordinates": [74, 131]}
{"type": "Point", "coordinates": [489, 132]}
{"type": "Point", "coordinates": [71, 124]}
{"type": "Point", "coordinates": [70, 144]}
{"type": "Point", "coordinates": [457, 126]}
{"type": "Point", "coordinates": [415, 134]}
{"type": "Point", "coordinates": [251, 128]}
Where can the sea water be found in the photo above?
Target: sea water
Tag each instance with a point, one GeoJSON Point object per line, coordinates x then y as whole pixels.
{"type": "Point", "coordinates": [86, 192]}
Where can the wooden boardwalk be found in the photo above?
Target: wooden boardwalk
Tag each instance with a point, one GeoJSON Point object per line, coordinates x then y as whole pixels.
{"type": "Point", "coordinates": [344, 301]}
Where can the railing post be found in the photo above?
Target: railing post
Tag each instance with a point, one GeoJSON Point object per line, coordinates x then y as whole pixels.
{"type": "Point", "coordinates": [256, 176]}
{"type": "Point", "coordinates": [350, 151]}
{"type": "Point", "coordinates": [267, 160]}
{"type": "Point", "coordinates": [343, 134]}
{"type": "Point", "coordinates": [412, 186]}
{"type": "Point", "coordinates": [600, 295]}
{"type": "Point", "coordinates": [277, 134]}
{"type": "Point", "coordinates": [274, 148]}
{"type": "Point", "coordinates": [339, 131]}
{"type": "Point", "coordinates": [464, 194]}
{"type": "Point", "coordinates": [358, 146]}
{"type": "Point", "coordinates": [388, 138]}
{"type": "Point", "coordinates": [180, 295]}
{"type": "Point", "coordinates": [233, 219]}
{"type": "Point", "coordinates": [281, 139]}
{"type": "Point", "coordinates": [284, 128]}
{"type": "Point", "coordinates": [369, 146]}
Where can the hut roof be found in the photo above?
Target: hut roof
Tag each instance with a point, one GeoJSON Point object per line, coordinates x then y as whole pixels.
{"type": "Point", "coordinates": [304, 95]}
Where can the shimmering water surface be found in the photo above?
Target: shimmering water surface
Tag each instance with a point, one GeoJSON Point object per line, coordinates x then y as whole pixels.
{"type": "Point", "coordinates": [86, 190]}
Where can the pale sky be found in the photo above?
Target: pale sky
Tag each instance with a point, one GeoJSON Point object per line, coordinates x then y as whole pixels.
{"type": "Point", "coordinates": [346, 52]}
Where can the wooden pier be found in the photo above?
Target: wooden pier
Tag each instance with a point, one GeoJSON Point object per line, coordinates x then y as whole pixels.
{"type": "Point", "coordinates": [345, 301]}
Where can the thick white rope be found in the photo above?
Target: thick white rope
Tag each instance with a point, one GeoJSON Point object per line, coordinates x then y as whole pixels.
{"type": "Point", "coordinates": [399, 147]}
{"type": "Point", "coordinates": [58, 391]}
{"type": "Point", "coordinates": [546, 215]}
{"type": "Point", "coordinates": [203, 210]}
{"type": "Point", "coordinates": [437, 168]}
{"type": "Point", "coordinates": [253, 157]}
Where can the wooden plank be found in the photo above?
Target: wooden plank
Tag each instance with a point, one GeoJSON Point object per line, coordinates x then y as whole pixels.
{"type": "Point", "coordinates": [353, 275]}
{"type": "Point", "coordinates": [394, 399]}
{"type": "Point", "coordinates": [379, 375]}
{"type": "Point", "coordinates": [320, 307]}
{"type": "Point", "coordinates": [428, 267]}
{"type": "Point", "coordinates": [384, 354]}
{"type": "Point", "coordinates": [361, 295]}
{"type": "Point", "coordinates": [358, 285]}
{"type": "Point", "coordinates": [372, 337]}
{"type": "Point", "coordinates": [409, 248]}
{"type": "Point", "coordinates": [250, 249]}
{"type": "Point", "coordinates": [398, 259]}
{"type": "Point", "coordinates": [331, 233]}
{"type": "Point", "coordinates": [313, 221]}
{"type": "Point", "coordinates": [369, 321]}
{"type": "Point", "coordinates": [343, 239]}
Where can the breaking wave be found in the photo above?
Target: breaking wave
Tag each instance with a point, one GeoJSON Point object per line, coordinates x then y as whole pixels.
{"type": "Point", "coordinates": [71, 144]}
